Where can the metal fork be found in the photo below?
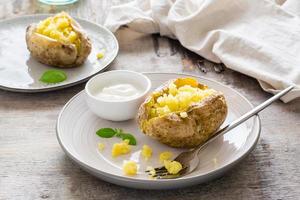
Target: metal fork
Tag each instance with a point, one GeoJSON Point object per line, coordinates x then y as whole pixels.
{"type": "Point", "coordinates": [190, 160]}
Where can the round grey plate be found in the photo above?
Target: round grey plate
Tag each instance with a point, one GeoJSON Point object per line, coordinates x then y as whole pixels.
{"type": "Point", "coordinates": [77, 125]}
{"type": "Point", "coordinates": [20, 72]}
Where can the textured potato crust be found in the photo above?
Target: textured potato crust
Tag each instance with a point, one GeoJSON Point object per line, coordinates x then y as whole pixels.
{"type": "Point", "coordinates": [203, 119]}
{"type": "Point", "coordinates": [56, 52]}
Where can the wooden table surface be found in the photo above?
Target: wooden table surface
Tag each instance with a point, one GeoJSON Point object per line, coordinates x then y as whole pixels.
{"type": "Point", "coordinates": [33, 166]}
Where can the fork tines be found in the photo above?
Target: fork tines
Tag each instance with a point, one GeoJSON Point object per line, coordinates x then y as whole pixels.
{"type": "Point", "coordinates": [157, 169]}
{"type": "Point", "coordinates": [162, 173]}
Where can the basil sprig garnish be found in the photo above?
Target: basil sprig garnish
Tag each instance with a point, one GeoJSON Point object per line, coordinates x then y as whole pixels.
{"type": "Point", "coordinates": [117, 132]}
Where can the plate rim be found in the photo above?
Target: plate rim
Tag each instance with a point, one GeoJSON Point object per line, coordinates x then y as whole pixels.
{"type": "Point", "coordinates": [197, 178]}
{"type": "Point", "coordinates": [38, 90]}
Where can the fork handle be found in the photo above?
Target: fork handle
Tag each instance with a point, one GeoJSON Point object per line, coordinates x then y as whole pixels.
{"type": "Point", "coordinates": [246, 116]}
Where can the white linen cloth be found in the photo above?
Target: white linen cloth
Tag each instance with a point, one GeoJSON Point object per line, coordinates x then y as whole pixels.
{"type": "Point", "coordinates": [259, 38]}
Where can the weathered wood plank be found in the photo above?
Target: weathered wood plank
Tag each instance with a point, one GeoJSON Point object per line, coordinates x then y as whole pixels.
{"type": "Point", "coordinates": [33, 166]}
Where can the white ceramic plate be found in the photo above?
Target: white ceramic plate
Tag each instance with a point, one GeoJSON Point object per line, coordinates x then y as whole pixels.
{"type": "Point", "coordinates": [21, 73]}
{"type": "Point", "coordinates": [76, 127]}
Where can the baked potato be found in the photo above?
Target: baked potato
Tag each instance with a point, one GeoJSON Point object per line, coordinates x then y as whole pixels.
{"type": "Point", "coordinates": [182, 113]}
{"type": "Point", "coordinates": [58, 41]}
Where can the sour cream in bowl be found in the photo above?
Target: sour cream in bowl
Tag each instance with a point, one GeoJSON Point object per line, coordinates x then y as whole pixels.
{"type": "Point", "coordinates": [116, 95]}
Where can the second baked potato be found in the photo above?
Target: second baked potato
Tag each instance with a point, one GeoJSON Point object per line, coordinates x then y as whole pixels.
{"type": "Point", "coordinates": [182, 113]}
{"type": "Point", "coordinates": [58, 41]}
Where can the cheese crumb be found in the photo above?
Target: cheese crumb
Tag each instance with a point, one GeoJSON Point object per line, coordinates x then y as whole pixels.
{"type": "Point", "coordinates": [101, 146]}
{"type": "Point", "coordinates": [146, 152]}
{"type": "Point", "coordinates": [215, 161]}
{"type": "Point", "coordinates": [166, 155]}
{"type": "Point", "coordinates": [130, 168]}
{"type": "Point", "coordinates": [100, 55]}
{"type": "Point", "coordinates": [151, 171]}
{"type": "Point", "coordinates": [173, 167]}
{"type": "Point", "coordinates": [183, 115]}
{"type": "Point", "coordinates": [120, 148]}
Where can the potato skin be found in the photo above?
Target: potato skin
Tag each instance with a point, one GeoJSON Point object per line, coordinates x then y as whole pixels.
{"type": "Point", "coordinates": [203, 120]}
{"type": "Point", "coordinates": [52, 52]}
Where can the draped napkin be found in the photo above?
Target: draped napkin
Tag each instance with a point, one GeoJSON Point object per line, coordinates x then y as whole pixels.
{"type": "Point", "coordinates": [259, 38]}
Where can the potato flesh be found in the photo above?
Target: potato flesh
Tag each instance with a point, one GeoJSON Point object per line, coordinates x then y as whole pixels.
{"type": "Point", "coordinates": [146, 152]}
{"type": "Point", "coordinates": [49, 51]}
{"type": "Point", "coordinates": [58, 41]}
{"type": "Point", "coordinates": [173, 167]}
{"type": "Point", "coordinates": [59, 28]}
{"type": "Point", "coordinates": [186, 129]}
{"type": "Point", "coordinates": [120, 148]}
{"type": "Point", "coordinates": [130, 168]}
{"type": "Point", "coordinates": [178, 99]}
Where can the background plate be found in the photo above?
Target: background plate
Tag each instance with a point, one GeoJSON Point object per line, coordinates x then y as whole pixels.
{"type": "Point", "coordinates": [21, 73]}
{"type": "Point", "coordinates": [76, 127]}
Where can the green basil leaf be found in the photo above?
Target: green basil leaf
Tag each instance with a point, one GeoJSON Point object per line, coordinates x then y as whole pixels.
{"type": "Point", "coordinates": [106, 132]}
{"type": "Point", "coordinates": [53, 76]}
{"type": "Point", "coordinates": [127, 136]}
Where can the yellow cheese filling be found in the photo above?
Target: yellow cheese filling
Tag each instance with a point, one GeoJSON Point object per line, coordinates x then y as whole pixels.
{"type": "Point", "coordinates": [178, 97]}
{"type": "Point", "coordinates": [59, 28]}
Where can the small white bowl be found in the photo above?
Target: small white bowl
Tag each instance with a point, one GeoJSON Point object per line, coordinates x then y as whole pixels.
{"type": "Point", "coordinates": [116, 110]}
